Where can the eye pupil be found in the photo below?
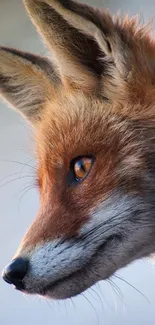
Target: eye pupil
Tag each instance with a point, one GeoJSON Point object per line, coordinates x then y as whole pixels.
{"type": "Point", "coordinates": [82, 167]}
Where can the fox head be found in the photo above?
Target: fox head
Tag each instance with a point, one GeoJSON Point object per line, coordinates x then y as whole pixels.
{"type": "Point", "coordinates": [92, 106]}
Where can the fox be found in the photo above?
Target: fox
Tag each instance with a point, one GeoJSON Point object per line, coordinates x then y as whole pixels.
{"type": "Point", "coordinates": [91, 104]}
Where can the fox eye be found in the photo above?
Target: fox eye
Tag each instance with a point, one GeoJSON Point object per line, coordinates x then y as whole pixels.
{"type": "Point", "coordinates": [82, 167]}
{"type": "Point", "coordinates": [79, 169]}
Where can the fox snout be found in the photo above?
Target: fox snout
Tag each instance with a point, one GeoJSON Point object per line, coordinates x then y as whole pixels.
{"type": "Point", "coordinates": [15, 272]}
{"type": "Point", "coordinates": [64, 267]}
{"type": "Point", "coordinates": [60, 268]}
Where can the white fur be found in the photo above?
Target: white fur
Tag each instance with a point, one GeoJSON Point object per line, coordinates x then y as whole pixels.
{"type": "Point", "coordinates": [55, 260]}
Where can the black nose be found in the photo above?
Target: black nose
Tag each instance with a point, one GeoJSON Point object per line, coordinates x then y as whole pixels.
{"type": "Point", "coordinates": [15, 272]}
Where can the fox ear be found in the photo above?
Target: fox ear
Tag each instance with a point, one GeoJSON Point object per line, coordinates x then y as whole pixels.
{"type": "Point", "coordinates": [81, 38]}
{"type": "Point", "coordinates": [26, 81]}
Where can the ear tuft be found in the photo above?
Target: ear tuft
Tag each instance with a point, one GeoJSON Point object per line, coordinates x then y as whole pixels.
{"type": "Point", "coordinates": [81, 38]}
{"type": "Point", "coordinates": [26, 81]}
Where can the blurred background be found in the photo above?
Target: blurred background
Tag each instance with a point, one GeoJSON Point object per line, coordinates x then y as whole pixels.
{"type": "Point", "coordinates": [109, 303]}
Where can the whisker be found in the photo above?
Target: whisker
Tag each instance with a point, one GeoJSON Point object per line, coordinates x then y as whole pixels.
{"type": "Point", "coordinates": [103, 224]}
{"type": "Point", "coordinates": [119, 293]}
{"type": "Point", "coordinates": [8, 176]}
{"type": "Point", "coordinates": [49, 305]}
{"type": "Point", "coordinates": [109, 227]}
{"type": "Point", "coordinates": [16, 179]}
{"type": "Point", "coordinates": [108, 304]}
{"type": "Point", "coordinates": [98, 297]}
{"type": "Point", "coordinates": [92, 307]}
{"type": "Point", "coordinates": [73, 304]}
{"type": "Point", "coordinates": [133, 287]}
{"type": "Point", "coordinates": [113, 296]}
{"type": "Point", "coordinates": [117, 290]}
{"type": "Point", "coordinates": [19, 163]}
{"type": "Point", "coordinates": [28, 165]}
{"type": "Point", "coordinates": [26, 190]}
{"type": "Point", "coordinates": [66, 310]}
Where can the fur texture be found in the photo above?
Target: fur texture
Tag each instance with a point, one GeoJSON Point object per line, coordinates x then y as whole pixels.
{"type": "Point", "coordinates": [94, 96]}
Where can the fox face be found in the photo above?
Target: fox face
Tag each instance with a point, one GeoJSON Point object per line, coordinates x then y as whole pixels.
{"type": "Point", "coordinates": [91, 104]}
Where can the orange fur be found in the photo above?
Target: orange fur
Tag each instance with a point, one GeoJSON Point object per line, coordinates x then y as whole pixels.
{"type": "Point", "coordinates": [80, 118]}
{"type": "Point", "coordinates": [97, 96]}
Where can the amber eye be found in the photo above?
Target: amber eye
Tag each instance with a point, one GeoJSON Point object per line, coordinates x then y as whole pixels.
{"type": "Point", "coordinates": [81, 167]}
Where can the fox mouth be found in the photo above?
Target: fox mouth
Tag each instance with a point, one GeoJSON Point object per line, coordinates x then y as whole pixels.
{"type": "Point", "coordinates": [51, 288]}
{"type": "Point", "coordinates": [96, 268]}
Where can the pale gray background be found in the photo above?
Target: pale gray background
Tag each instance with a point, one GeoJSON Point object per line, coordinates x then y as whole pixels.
{"type": "Point", "coordinates": [106, 306]}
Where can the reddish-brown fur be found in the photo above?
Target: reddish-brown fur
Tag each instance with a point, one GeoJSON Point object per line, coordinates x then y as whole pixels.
{"type": "Point", "coordinates": [64, 210]}
{"type": "Point", "coordinates": [91, 107]}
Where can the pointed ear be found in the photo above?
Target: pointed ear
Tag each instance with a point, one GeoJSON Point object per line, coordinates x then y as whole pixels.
{"type": "Point", "coordinates": [81, 38]}
{"type": "Point", "coordinates": [26, 81]}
